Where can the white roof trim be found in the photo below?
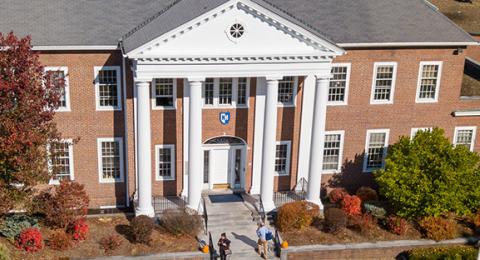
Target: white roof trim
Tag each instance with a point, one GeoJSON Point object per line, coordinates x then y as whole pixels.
{"type": "Point", "coordinates": [466, 113]}
{"type": "Point", "coordinates": [401, 44]}
{"type": "Point", "coordinates": [75, 48]}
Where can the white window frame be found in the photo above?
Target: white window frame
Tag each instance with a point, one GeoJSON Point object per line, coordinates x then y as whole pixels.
{"type": "Point", "coordinates": [419, 82]}
{"type": "Point", "coordinates": [289, 158]}
{"type": "Point", "coordinates": [295, 91]}
{"type": "Point", "coordinates": [414, 130]}
{"type": "Point", "coordinates": [64, 69]}
{"type": "Point", "coordinates": [216, 92]}
{"type": "Point", "coordinates": [154, 96]}
{"type": "Point", "coordinates": [52, 181]}
{"type": "Point", "coordinates": [340, 155]}
{"type": "Point", "coordinates": [474, 134]}
{"type": "Point", "coordinates": [374, 83]}
{"type": "Point", "coordinates": [347, 85]}
{"type": "Point", "coordinates": [172, 162]}
{"type": "Point", "coordinates": [367, 142]}
{"type": "Point", "coordinates": [97, 69]}
{"type": "Point", "coordinates": [100, 162]}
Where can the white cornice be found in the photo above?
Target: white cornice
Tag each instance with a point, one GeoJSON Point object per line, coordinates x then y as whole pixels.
{"type": "Point", "coordinates": [75, 48]}
{"type": "Point", "coordinates": [406, 44]}
{"type": "Point", "coordinates": [235, 59]}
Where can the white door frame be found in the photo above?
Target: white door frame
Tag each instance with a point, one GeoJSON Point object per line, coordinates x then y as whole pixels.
{"type": "Point", "coordinates": [231, 166]}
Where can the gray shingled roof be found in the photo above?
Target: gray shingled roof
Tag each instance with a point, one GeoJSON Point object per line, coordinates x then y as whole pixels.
{"type": "Point", "coordinates": [104, 22]}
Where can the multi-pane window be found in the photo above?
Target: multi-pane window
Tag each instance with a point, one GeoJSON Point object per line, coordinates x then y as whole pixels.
{"type": "Point", "coordinates": [61, 161]}
{"type": "Point", "coordinates": [225, 91]}
{"type": "Point", "coordinates": [282, 158]}
{"type": "Point", "coordinates": [384, 82]}
{"type": "Point", "coordinates": [338, 90]}
{"type": "Point", "coordinates": [414, 131]}
{"type": "Point", "coordinates": [57, 76]}
{"type": "Point", "coordinates": [242, 91]}
{"type": "Point", "coordinates": [107, 84]}
{"type": "Point", "coordinates": [332, 151]}
{"type": "Point", "coordinates": [110, 160]}
{"type": "Point", "coordinates": [286, 90]}
{"type": "Point", "coordinates": [208, 91]}
{"type": "Point", "coordinates": [429, 81]}
{"type": "Point", "coordinates": [164, 92]}
{"type": "Point", "coordinates": [375, 149]}
{"type": "Point", "coordinates": [465, 136]}
{"type": "Point", "coordinates": [165, 155]}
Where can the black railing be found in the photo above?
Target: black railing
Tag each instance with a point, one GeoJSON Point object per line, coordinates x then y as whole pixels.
{"type": "Point", "coordinates": [261, 211]}
{"type": "Point", "coordinates": [278, 244]}
{"type": "Point", "coordinates": [205, 215]}
{"type": "Point", "coordinates": [160, 204]}
{"type": "Point", "coordinates": [282, 197]}
{"type": "Point", "coordinates": [211, 247]}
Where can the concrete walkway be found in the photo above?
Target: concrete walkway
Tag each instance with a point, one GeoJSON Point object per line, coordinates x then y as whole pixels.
{"type": "Point", "coordinates": [230, 214]}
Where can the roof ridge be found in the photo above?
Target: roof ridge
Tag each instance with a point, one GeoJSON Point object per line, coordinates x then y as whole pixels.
{"type": "Point", "coordinates": [303, 22]}
{"type": "Point", "coordinates": [149, 20]}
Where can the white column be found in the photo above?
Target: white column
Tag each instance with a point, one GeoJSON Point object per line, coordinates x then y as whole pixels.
{"type": "Point", "coordinates": [195, 153]}
{"type": "Point", "coordinates": [258, 136]}
{"type": "Point", "coordinates": [145, 206]}
{"type": "Point", "coordinates": [318, 139]}
{"type": "Point", "coordinates": [269, 144]}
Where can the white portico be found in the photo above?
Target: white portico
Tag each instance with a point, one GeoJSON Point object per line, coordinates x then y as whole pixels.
{"type": "Point", "coordinates": [237, 39]}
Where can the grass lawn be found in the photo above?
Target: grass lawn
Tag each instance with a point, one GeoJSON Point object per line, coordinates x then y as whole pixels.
{"type": "Point", "coordinates": [161, 242]}
{"type": "Point", "coordinates": [466, 15]}
{"type": "Point", "coordinates": [470, 86]}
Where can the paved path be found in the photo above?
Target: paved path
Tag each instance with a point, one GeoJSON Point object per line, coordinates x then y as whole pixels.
{"type": "Point", "coordinates": [229, 213]}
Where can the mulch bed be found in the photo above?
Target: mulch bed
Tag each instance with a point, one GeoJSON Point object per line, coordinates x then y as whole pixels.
{"type": "Point", "coordinates": [465, 14]}
{"type": "Point", "coordinates": [100, 227]}
{"type": "Point", "coordinates": [314, 235]}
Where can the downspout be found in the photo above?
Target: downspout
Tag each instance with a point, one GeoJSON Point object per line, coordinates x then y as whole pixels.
{"type": "Point", "coordinates": [125, 120]}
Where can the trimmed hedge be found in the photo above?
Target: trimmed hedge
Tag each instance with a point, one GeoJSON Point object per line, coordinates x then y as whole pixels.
{"type": "Point", "coordinates": [296, 215]}
{"type": "Point", "coordinates": [434, 253]}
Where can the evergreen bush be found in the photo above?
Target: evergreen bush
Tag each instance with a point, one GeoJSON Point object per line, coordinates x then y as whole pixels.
{"type": "Point", "coordinates": [428, 176]}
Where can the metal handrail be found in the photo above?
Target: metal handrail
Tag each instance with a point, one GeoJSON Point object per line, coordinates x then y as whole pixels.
{"type": "Point", "coordinates": [211, 247]}
{"type": "Point", "coordinates": [205, 215]}
{"type": "Point", "coordinates": [278, 244]}
{"type": "Point", "coordinates": [261, 211]}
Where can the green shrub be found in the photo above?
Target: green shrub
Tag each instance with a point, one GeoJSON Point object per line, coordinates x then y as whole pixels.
{"type": "Point", "coordinates": [438, 228]}
{"type": "Point", "coordinates": [374, 210]}
{"type": "Point", "coordinates": [428, 176]}
{"type": "Point", "coordinates": [4, 252]}
{"type": "Point", "coordinates": [14, 224]}
{"type": "Point", "coordinates": [438, 253]}
{"type": "Point", "coordinates": [142, 227]}
{"type": "Point", "coordinates": [335, 220]}
{"type": "Point", "coordinates": [181, 223]}
{"type": "Point", "coordinates": [296, 215]}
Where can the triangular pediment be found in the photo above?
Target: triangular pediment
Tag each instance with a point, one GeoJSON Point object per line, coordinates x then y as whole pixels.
{"type": "Point", "coordinates": [237, 29]}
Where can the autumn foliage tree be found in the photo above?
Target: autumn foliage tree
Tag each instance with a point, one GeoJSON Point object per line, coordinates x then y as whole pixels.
{"type": "Point", "coordinates": [28, 100]}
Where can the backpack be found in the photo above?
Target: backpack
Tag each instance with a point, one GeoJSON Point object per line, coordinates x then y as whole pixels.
{"type": "Point", "coordinates": [269, 235]}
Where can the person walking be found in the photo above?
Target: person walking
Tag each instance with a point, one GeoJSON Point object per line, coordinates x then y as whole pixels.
{"type": "Point", "coordinates": [224, 245]}
{"type": "Point", "coordinates": [262, 232]}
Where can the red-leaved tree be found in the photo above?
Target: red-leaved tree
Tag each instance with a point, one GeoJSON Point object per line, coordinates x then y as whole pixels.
{"type": "Point", "coordinates": [28, 100]}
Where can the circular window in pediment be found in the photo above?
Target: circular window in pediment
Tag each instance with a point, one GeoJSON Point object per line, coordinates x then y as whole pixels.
{"type": "Point", "coordinates": [237, 30]}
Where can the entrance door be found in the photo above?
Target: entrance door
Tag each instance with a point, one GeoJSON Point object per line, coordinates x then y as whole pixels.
{"type": "Point", "coordinates": [220, 167]}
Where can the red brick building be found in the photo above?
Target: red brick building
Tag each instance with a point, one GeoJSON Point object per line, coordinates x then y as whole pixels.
{"type": "Point", "coordinates": [170, 98]}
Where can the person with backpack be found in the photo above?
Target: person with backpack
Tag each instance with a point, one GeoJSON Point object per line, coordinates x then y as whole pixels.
{"type": "Point", "coordinates": [264, 235]}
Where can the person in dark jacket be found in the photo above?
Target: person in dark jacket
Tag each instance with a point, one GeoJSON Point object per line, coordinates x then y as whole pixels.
{"type": "Point", "coordinates": [224, 245]}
